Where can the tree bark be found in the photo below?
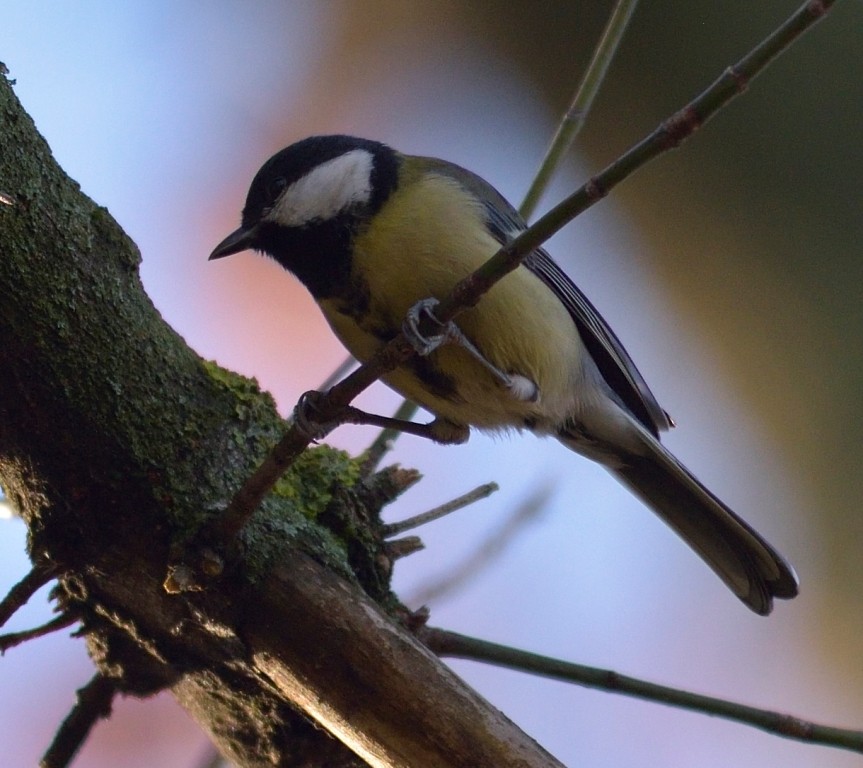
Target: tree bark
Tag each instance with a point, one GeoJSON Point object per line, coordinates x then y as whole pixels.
{"type": "Point", "coordinates": [117, 442]}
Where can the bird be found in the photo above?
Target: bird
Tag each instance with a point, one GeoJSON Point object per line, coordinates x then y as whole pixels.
{"type": "Point", "coordinates": [378, 237]}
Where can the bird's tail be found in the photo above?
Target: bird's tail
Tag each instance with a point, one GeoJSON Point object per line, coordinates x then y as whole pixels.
{"type": "Point", "coordinates": [752, 569]}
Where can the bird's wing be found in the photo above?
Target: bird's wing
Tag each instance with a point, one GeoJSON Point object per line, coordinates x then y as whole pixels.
{"type": "Point", "coordinates": [613, 361]}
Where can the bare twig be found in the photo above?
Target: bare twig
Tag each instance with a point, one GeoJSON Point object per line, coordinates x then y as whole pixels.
{"type": "Point", "coordinates": [94, 703]}
{"type": "Point", "coordinates": [468, 291]}
{"type": "Point", "coordinates": [488, 551]}
{"type": "Point", "coordinates": [668, 135]}
{"type": "Point", "coordinates": [12, 639]}
{"type": "Point", "coordinates": [386, 437]}
{"type": "Point", "coordinates": [452, 645]}
{"type": "Point", "coordinates": [341, 370]}
{"type": "Point", "coordinates": [573, 120]}
{"type": "Point", "coordinates": [480, 492]}
{"type": "Point", "coordinates": [37, 578]}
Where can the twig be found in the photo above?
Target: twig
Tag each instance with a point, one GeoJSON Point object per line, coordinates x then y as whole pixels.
{"type": "Point", "coordinates": [12, 639]}
{"type": "Point", "coordinates": [386, 437]}
{"type": "Point", "coordinates": [573, 120]}
{"type": "Point", "coordinates": [18, 596]}
{"type": "Point", "coordinates": [468, 291]}
{"type": "Point", "coordinates": [668, 135]}
{"type": "Point", "coordinates": [490, 549]}
{"type": "Point", "coordinates": [453, 645]}
{"type": "Point", "coordinates": [340, 371]}
{"type": "Point", "coordinates": [480, 492]}
{"type": "Point", "coordinates": [94, 703]}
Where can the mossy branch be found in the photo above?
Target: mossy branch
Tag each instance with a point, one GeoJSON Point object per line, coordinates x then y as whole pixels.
{"type": "Point", "coordinates": [117, 442]}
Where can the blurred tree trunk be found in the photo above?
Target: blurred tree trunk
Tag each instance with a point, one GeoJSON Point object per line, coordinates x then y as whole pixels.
{"type": "Point", "coordinates": [117, 441]}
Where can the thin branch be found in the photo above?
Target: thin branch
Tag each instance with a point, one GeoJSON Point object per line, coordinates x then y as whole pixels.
{"type": "Point", "coordinates": [12, 639]}
{"type": "Point", "coordinates": [668, 135]}
{"type": "Point", "coordinates": [490, 550]}
{"type": "Point", "coordinates": [383, 443]}
{"type": "Point", "coordinates": [18, 596]}
{"type": "Point", "coordinates": [453, 645]}
{"type": "Point", "coordinates": [573, 120]}
{"type": "Point", "coordinates": [94, 703]}
{"type": "Point", "coordinates": [468, 291]}
{"type": "Point", "coordinates": [480, 492]}
{"type": "Point", "coordinates": [341, 370]}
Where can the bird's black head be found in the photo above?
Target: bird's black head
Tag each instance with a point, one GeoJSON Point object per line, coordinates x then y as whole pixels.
{"type": "Point", "coordinates": [307, 202]}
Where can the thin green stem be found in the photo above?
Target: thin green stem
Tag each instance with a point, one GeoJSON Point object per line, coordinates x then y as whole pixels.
{"type": "Point", "coordinates": [575, 116]}
{"type": "Point", "coordinates": [340, 372]}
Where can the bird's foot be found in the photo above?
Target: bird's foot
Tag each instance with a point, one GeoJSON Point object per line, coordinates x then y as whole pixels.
{"type": "Point", "coordinates": [424, 345]}
{"type": "Point", "coordinates": [519, 387]}
{"type": "Point", "coordinates": [307, 417]}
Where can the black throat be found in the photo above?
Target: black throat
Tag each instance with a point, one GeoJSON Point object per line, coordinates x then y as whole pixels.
{"type": "Point", "coordinates": [319, 253]}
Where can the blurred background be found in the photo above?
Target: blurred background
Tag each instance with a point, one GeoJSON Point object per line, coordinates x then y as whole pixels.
{"type": "Point", "coordinates": [730, 269]}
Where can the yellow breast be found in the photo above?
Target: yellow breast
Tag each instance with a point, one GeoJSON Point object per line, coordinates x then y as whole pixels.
{"type": "Point", "coordinates": [423, 240]}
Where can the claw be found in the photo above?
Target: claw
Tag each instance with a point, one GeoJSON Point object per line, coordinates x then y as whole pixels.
{"type": "Point", "coordinates": [425, 345]}
{"type": "Point", "coordinates": [304, 417]}
{"type": "Point", "coordinates": [520, 387]}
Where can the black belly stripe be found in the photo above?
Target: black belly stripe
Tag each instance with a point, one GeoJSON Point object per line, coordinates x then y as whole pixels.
{"type": "Point", "coordinates": [438, 383]}
{"type": "Point", "coordinates": [433, 379]}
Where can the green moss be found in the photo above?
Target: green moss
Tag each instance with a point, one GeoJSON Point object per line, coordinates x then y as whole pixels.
{"type": "Point", "coordinates": [251, 401]}
{"type": "Point", "coordinates": [315, 477]}
{"type": "Point", "coordinates": [277, 526]}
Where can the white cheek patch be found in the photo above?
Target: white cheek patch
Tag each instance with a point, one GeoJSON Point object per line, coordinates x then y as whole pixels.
{"type": "Point", "coordinates": [326, 190]}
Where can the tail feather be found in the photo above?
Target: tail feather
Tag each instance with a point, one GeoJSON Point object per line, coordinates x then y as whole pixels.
{"type": "Point", "coordinates": [751, 568]}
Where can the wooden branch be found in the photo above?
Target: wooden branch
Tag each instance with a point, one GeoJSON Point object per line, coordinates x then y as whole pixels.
{"type": "Point", "coordinates": [331, 650]}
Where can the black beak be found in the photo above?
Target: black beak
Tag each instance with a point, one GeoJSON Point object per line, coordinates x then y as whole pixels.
{"type": "Point", "coordinates": [239, 240]}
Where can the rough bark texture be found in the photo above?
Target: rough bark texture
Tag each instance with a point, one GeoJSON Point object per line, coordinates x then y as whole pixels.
{"type": "Point", "coordinates": [117, 441]}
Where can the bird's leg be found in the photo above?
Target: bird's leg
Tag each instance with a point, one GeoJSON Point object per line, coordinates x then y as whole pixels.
{"type": "Point", "coordinates": [520, 387]}
{"type": "Point", "coordinates": [439, 430]}
{"type": "Point", "coordinates": [306, 415]}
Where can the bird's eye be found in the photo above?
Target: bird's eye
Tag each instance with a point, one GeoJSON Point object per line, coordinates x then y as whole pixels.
{"type": "Point", "coordinates": [276, 186]}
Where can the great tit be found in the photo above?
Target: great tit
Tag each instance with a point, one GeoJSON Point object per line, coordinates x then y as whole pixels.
{"type": "Point", "coordinates": [372, 233]}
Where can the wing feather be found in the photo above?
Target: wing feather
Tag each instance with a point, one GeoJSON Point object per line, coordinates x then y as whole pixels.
{"type": "Point", "coordinates": [613, 361]}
